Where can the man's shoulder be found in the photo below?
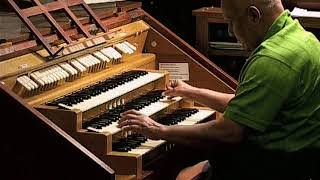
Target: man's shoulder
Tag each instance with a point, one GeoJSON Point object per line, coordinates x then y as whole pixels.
{"type": "Point", "coordinates": [292, 48]}
{"type": "Point", "coordinates": [269, 66]}
{"type": "Point", "coordinates": [290, 42]}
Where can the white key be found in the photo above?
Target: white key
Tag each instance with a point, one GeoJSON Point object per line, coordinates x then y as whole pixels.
{"type": "Point", "coordinates": [122, 49]}
{"type": "Point", "coordinates": [108, 53]}
{"type": "Point", "coordinates": [20, 81]}
{"type": "Point", "coordinates": [78, 66]}
{"type": "Point", "coordinates": [140, 150]}
{"type": "Point", "coordinates": [49, 76]}
{"type": "Point", "coordinates": [116, 53]}
{"type": "Point", "coordinates": [37, 79]}
{"type": "Point", "coordinates": [63, 72]}
{"type": "Point", "coordinates": [90, 60]}
{"type": "Point", "coordinates": [127, 48]}
{"type": "Point", "coordinates": [146, 146]}
{"type": "Point", "coordinates": [101, 56]}
{"type": "Point", "coordinates": [43, 76]}
{"type": "Point", "coordinates": [113, 53]}
{"type": "Point", "coordinates": [68, 68]}
{"type": "Point", "coordinates": [94, 59]}
{"type": "Point", "coordinates": [35, 85]}
{"type": "Point", "coordinates": [83, 60]}
{"type": "Point", "coordinates": [130, 45]}
{"type": "Point", "coordinates": [38, 76]}
{"type": "Point", "coordinates": [153, 143]}
{"type": "Point", "coordinates": [197, 117]}
{"type": "Point", "coordinates": [60, 72]}
{"type": "Point", "coordinates": [25, 83]}
{"type": "Point", "coordinates": [158, 106]}
{"type": "Point", "coordinates": [53, 74]}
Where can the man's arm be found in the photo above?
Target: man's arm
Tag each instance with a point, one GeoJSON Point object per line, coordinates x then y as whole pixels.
{"type": "Point", "coordinates": [213, 99]}
{"type": "Point", "coordinates": [212, 132]}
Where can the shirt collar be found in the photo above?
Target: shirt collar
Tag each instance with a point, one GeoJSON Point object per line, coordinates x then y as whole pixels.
{"type": "Point", "coordinates": [278, 24]}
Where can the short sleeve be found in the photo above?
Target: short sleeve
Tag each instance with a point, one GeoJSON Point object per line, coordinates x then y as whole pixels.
{"type": "Point", "coordinates": [264, 88]}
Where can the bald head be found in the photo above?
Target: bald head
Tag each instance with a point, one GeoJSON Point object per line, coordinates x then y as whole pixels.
{"type": "Point", "coordinates": [243, 4]}
{"type": "Point", "coordinates": [254, 2]}
{"type": "Point", "coordinates": [250, 19]}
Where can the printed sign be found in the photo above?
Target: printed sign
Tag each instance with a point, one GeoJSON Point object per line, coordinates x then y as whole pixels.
{"type": "Point", "coordinates": [178, 71]}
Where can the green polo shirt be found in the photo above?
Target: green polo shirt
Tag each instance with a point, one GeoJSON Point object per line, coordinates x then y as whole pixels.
{"type": "Point", "coordinates": [279, 89]}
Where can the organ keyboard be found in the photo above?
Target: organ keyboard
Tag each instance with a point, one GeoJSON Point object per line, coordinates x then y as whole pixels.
{"type": "Point", "coordinates": [147, 104]}
{"type": "Point", "coordinates": [137, 144]}
{"type": "Point", "coordinates": [85, 86]}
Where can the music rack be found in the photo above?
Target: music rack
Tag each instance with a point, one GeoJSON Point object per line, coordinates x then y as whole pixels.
{"type": "Point", "coordinates": [45, 9]}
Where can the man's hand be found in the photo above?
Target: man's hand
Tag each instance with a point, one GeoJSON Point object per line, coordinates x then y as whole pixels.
{"type": "Point", "coordinates": [177, 88]}
{"type": "Point", "coordinates": [132, 120]}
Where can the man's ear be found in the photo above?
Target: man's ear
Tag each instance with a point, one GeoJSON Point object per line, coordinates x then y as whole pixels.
{"type": "Point", "coordinates": [254, 15]}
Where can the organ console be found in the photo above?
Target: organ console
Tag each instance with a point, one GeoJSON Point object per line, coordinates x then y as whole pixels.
{"type": "Point", "coordinates": [80, 87]}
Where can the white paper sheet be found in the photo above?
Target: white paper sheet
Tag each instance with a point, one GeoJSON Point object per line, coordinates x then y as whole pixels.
{"type": "Point", "coordinates": [298, 12]}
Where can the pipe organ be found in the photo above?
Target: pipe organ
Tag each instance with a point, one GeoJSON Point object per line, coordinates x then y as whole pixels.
{"type": "Point", "coordinates": [83, 84]}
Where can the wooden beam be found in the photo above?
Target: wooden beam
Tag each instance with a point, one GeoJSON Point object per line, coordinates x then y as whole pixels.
{"type": "Point", "coordinates": [75, 20]}
{"type": "Point", "coordinates": [94, 17]}
{"type": "Point", "coordinates": [53, 22]}
{"type": "Point", "coordinates": [32, 44]}
{"type": "Point", "coordinates": [33, 11]}
{"type": "Point", "coordinates": [33, 29]}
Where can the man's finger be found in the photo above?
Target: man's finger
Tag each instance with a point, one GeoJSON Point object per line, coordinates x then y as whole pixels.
{"type": "Point", "coordinates": [130, 122]}
{"type": "Point", "coordinates": [134, 128]}
{"type": "Point", "coordinates": [131, 111]}
{"type": "Point", "coordinates": [172, 84]}
{"type": "Point", "coordinates": [169, 93]}
{"type": "Point", "coordinates": [169, 86]}
{"type": "Point", "coordinates": [129, 116]}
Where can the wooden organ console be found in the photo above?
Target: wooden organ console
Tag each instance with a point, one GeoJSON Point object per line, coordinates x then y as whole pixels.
{"type": "Point", "coordinates": [75, 83]}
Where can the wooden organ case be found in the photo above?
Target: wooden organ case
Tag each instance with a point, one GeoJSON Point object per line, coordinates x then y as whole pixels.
{"type": "Point", "coordinates": [70, 84]}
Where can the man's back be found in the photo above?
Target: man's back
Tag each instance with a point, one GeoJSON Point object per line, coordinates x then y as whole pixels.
{"type": "Point", "coordinates": [279, 99]}
{"type": "Point", "coordinates": [297, 55]}
{"type": "Point", "coordinates": [278, 94]}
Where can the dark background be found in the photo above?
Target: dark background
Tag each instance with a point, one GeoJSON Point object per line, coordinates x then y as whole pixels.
{"type": "Point", "coordinates": [177, 16]}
